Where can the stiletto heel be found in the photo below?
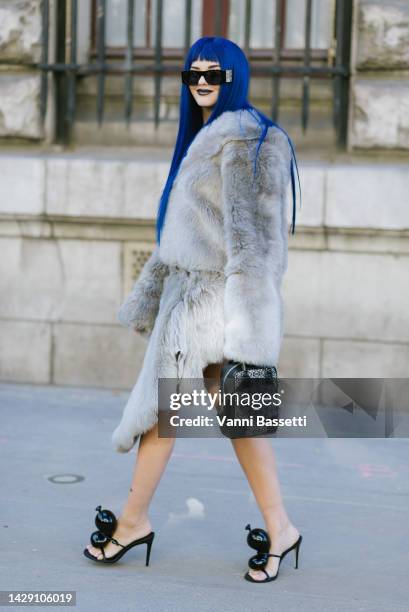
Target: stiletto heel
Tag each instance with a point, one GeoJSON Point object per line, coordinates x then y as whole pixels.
{"type": "Point", "coordinates": [148, 548]}
{"type": "Point", "coordinates": [260, 541]}
{"type": "Point", "coordinates": [297, 550]}
{"type": "Point", "coordinates": [106, 522]}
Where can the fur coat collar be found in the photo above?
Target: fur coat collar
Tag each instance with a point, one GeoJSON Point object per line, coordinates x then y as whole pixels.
{"type": "Point", "coordinates": [231, 125]}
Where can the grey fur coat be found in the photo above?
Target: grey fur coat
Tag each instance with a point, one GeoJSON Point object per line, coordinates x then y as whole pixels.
{"type": "Point", "coordinates": [211, 289]}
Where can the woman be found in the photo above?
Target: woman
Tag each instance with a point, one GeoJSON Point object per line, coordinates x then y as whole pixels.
{"type": "Point", "coordinates": [210, 291]}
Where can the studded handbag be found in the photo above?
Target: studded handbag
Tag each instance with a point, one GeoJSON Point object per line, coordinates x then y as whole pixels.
{"type": "Point", "coordinates": [248, 406]}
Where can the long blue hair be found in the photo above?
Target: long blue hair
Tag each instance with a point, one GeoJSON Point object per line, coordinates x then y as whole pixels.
{"type": "Point", "coordinates": [232, 96]}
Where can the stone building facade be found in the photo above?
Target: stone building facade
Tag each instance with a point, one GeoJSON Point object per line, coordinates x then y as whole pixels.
{"type": "Point", "coordinates": [77, 224]}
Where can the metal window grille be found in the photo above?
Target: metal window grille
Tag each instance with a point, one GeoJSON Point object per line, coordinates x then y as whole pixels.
{"type": "Point", "coordinates": [305, 65]}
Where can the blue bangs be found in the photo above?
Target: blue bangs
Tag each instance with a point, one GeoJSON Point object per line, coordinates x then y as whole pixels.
{"type": "Point", "coordinates": [232, 96]}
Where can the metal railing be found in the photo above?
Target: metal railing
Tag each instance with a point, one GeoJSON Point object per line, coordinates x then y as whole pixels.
{"type": "Point", "coordinates": [67, 70]}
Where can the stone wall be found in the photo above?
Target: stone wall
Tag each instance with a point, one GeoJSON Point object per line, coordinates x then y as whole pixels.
{"type": "Point", "coordinates": [76, 228]}
{"type": "Point", "coordinates": [380, 84]}
{"type": "Point", "coordinates": [75, 232]}
{"type": "Point", "coordinates": [20, 44]}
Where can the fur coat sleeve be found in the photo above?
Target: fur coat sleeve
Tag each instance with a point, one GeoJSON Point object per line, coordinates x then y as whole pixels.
{"type": "Point", "coordinates": [140, 308]}
{"type": "Point", "coordinates": [256, 238]}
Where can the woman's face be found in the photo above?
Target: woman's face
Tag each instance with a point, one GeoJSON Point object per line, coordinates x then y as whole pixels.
{"type": "Point", "coordinates": [204, 94]}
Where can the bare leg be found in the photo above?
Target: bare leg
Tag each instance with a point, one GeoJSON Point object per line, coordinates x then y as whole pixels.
{"type": "Point", "coordinates": [152, 457]}
{"type": "Point", "coordinates": [256, 457]}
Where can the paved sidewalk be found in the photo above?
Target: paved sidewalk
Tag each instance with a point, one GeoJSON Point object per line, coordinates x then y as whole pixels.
{"type": "Point", "coordinates": [349, 499]}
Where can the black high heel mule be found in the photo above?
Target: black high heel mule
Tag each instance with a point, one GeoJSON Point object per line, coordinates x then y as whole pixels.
{"type": "Point", "coordinates": [260, 540]}
{"type": "Point", "coordinates": [106, 523]}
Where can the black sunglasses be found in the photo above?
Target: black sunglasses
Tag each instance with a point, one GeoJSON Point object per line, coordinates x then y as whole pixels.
{"type": "Point", "coordinates": [213, 77]}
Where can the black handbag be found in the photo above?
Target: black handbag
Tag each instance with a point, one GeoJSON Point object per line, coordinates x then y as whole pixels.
{"type": "Point", "coordinates": [240, 385]}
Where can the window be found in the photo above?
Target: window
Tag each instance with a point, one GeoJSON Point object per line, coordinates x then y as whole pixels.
{"type": "Point", "coordinates": [263, 15]}
{"type": "Point", "coordinates": [173, 20]}
{"type": "Point", "coordinates": [262, 22]}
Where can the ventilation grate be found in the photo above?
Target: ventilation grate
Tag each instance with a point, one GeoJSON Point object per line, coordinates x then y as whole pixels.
{"type": "Point", "coordinates": [136, 255]}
